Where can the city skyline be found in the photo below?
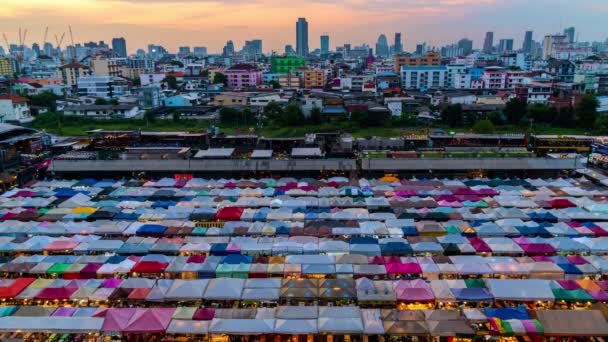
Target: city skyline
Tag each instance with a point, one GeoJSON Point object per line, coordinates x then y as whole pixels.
{"type": "Point", "coordinates": [211, 23]}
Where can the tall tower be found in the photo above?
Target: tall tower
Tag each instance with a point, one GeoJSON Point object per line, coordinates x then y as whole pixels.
{"type": "Point", "coordinates": [382, 46]}
{"type": "Point", "coordinates": [398, 47]}
{"type": "Point", "coordinates": [488, 43]}
{"type": "Point", "coordinates": [119, 46]}
{"type": "Point", "coordinates": [527, 47]}
{"type": "Point", "coordinates": [302, 37]}
{"type": "Point", "coordinates": [569, 33]}
{"type": "Point", "coordinates": [324, 44]}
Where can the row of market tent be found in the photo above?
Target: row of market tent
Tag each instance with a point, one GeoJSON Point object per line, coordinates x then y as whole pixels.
{"type": "Point", "coordinates": [306, 320]}
{"type": "Point", "coordinates": [392, 228]}
{"type": "Point", "coordinates": [364, 291]}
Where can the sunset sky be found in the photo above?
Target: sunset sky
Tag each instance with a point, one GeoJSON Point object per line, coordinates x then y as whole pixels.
{"type": "Point", "coordinates": [211, 23]}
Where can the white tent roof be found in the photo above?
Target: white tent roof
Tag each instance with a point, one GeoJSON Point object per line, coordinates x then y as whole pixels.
{"type": "Point", "coordinates": [520, 289]}
{"type": "Point", "coordinates": [241, 326]}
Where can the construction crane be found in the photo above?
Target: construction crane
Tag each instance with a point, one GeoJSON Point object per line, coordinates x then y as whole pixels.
{"type": "Point", "coordinates": [73, 46]}
{"type": "Point", "coordinates": [46, 34]}
{"type": "Point", "coordinates": [58, 41]}
{"type": "Point", "coordinates": [21, 44]}
{"type": "Point", "coordinates": [8, 45]}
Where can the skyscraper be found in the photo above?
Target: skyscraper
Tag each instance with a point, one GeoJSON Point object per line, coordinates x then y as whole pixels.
{"type": "Point", "coordinates": [382, 46]}
{"type": "Point", "coordinates": [466, 45]}
{"type": "Point", "coordinates": [569, 33]}
{"type": "Point", "coordinates": [527, 46]}
{"type": "Point", "coordinates": [324, 44]}
{"type": "Point", "coordinates": [184, 50]}
{"type": "Point", "coordinates": [488, 43]}
{"type": "Point", "coordinates": [200, 51]}
{"type": "Point", "coordinates": [505, 45]}
{"type": "Point", "coordinates": [398, 47]}
{"type": "Point", "coordinates": [302, 37]}
{"type": "Point", "coordinates": [119, 46]}
{"type": "Point", "coordinates": [228, 49]}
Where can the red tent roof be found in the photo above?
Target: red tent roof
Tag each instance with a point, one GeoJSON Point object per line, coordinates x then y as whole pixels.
{"type": "Point", "coordinates": [15, 288]}
{"type": "Point", "coordinates": [229, 214]}
{"type": "Point", "coordinates": [149, 267]}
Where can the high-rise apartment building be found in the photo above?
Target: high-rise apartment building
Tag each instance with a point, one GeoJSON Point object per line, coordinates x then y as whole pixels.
{"type": "Point", "coordinates": [398, 45]}
{"type": "Point", "coordinates": [302, 37]}
{"type": "Point", "coordinates": [324, 44]}
{"type": "Point", "coordinates": [119, 46]}
{"type": "Point", "coordinates": [569, 33]}
{"type": "Point", "coordinates": [488, 43]}
{"type": "Point", "coordinates": [527, 46]}
{"type": "Point", "coordinates": [382, 46]}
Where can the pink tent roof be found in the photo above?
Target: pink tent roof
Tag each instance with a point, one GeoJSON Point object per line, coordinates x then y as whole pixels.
{"type": "Point", "coordinates": [116, 319]}
{"type": "Point", "coordinates": [60, 245]}
{"type": "Point", "coordinates": [51, 293]}
{"type": "Point", "coordinates": [577, 259]}
{"type": "Point", "coordinates": [111, 283]}
{"type": "Point", "coordinates": [601, 296]}
{"type": "Point", "coordinates": [568, 284]}
{"type": "Point", "coordinates": [149, 320]}
{"type": "Point", "coordinates": [480, 245]}
{"type": "Point", "coordinates": [64, 312]}
{"type": "Point", "coordinates": [537, 248]}
{"type": "Point", "coordinates": [405, 268]}
{"type": "Point", "coordinates": [413, 291]}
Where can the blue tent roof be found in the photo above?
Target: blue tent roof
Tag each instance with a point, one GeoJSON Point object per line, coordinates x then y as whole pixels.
{"type": "Point", "coordinates": [237, 259]}
{"type": "Point", "coordinates": [151, 229]}
{"type": "Point", "coordinates": [519, 312]}
{"type": "Point", "coordinates": [363, 241]}
{"type": "Point", "coordinates": [474, 294]}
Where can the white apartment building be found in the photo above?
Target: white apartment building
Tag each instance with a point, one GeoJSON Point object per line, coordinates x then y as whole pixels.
{"type": "Point", "coordinates": [417, 77]}
{"type": "Point", "coordinates": [14, 109]}
{"type": "Point", "coordinates": [102, 86]}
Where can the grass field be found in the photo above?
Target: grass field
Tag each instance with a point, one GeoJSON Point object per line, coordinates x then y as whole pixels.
{"type": "Point", "coordinates": [75, 126]}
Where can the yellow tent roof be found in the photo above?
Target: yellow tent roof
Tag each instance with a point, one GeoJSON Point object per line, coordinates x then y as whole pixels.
{"type": "Point", "coordinates": [84, 210]}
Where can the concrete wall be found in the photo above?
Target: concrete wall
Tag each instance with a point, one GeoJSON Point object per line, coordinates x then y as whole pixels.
{"type": "Point", "coordinates": [206, 165]}
{"type": "Point", "coordinates": [380, 164]}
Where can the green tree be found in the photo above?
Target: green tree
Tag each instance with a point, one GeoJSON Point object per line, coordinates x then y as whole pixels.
{"type": "Point", "coordinates": [452, 115]}
{"type": "Point", "coordinates": [273, 112]}
{"type": "Point", "coordinates": [586, 111]}
{"type": "Point", "coordinates": [177, 63]}
{"type": "Point", "coordinates": [175, 116]}
{"type": "Point", "coordinates": [248, 116]}
{"type": "Point", "coordinates": [496, 117]}
{"type": "Point", "coordinates": [101, 101]}
{"type": "Point", "coordinates": [293, 115]}
{"type": "Point", "coordinates": [45, 99]}
{"type": "Point", "coordinates": [483, 127]}
{"type": "Point", "coordinates": [275, 84]}
{"type": "Point", "coordinates": [540, 113]}
{"type": "Point", "coordinates": [136, 82]}
{"type": "Point", "coordinates": [564, 117]}
{"type": "Point", "coordinates": [360, 117]}
{"type": "Point", "coordinates": [515, 110]}
{"type": "Point", "coordinates": [470, 118]}
{"type": "Point", "coordinates": [171, 82]}
{"type": "Point", "coordinates": [113, 102]}
{"type": "Point", "coordinates": [229, 115]}
{"type": "Point", "coordinates": [601, 125]}
{"type": "Point", "coordinates": [149, 116]}
{"type": "Point", "coordinates": [316, 117]}
{"type": "Point", "coordinates": [218, 78]}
